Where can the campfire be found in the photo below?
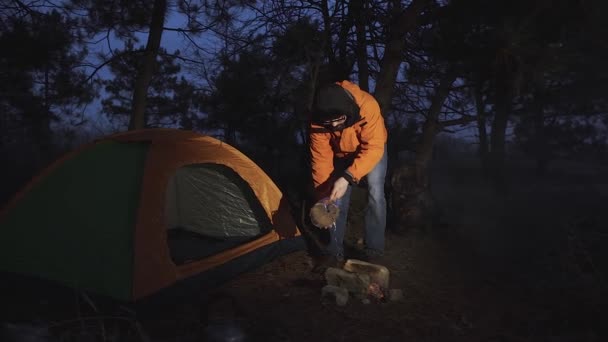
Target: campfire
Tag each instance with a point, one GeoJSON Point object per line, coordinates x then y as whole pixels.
{"type": "Point", "coordinates": [360, 280]}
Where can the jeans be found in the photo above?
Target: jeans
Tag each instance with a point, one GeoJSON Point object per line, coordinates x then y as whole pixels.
{"type": "Point", "coordinates": [375, 214]}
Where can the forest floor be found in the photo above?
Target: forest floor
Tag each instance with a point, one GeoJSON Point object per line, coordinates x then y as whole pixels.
{"type": "Point", "coordinates": [528, 266]}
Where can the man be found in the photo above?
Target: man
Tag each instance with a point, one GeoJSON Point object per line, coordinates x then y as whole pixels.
{"type": "Point", "coordinates": [347, 143]}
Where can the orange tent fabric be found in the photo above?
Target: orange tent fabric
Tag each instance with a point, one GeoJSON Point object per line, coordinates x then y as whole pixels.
{"type": "Point", "coordinates": [169, 150]}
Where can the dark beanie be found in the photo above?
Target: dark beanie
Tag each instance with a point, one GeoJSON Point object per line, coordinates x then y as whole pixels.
{"type": "Point", "coordinates": [331, 101]}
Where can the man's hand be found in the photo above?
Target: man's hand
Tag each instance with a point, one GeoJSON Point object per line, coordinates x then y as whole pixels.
{"type": "Point", "coordinates": [339, 189]}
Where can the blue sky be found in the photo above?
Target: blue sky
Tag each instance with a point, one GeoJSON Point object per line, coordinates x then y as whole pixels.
{"type": "Point", "coordinates": [98, 124]}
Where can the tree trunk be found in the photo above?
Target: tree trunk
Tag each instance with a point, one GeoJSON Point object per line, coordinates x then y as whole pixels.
{"type": "Point", "coordinates": [42, 135]}
{"type": "Point", "coordinates": [327, 32]}
{"type": "Point", "coordinates": [481, 129]}
{"type": "Point", "coordinates": [411, 202]}
{"type": "Point", "coordinates": [41, 124]}
{"type": "Point", "coordinates": [230, 135]}
{"type": "Point", "coordinates": [498, 139]}
{"type": "Point", "coordinates": [402, 22]}
{"type": "Point", "coordinates": [540, 144]}
{"type": "Point", "coordinates": [343, 66]}
{"type": "Point", "coordinates": [358, 12]}
{"type": "Point", "coordinates": [424, 150]}
{"type": "Point", "coordinates": [144, 75]}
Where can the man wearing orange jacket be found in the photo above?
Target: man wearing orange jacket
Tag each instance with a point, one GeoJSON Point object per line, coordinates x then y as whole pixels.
{"type": "Point", "coordinates": [347, 143]}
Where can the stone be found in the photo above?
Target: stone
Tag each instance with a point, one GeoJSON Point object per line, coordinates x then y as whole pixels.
{"type": "Point", "coordinates": [355, 283]}
{"type": "Point", "coordinates": [340, 294]}
{"type": "Point", "coordinates": [395, 295]}
{"type": "Point", "coordinates": [377, 273]}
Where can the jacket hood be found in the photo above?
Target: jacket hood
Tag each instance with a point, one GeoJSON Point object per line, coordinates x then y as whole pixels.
{"type": "Point", "coordinates": [331, 101]}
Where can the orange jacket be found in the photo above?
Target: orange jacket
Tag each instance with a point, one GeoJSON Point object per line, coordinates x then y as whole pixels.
{"type": "Point", "coordinates": [364, 140]}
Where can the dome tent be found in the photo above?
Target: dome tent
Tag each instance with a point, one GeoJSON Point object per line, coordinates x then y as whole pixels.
{"type": "Point", "coordinates": [131, 214]}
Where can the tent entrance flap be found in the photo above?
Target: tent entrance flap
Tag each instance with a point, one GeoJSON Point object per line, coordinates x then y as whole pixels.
{"type": "Point", "coordinates": [210, 208]}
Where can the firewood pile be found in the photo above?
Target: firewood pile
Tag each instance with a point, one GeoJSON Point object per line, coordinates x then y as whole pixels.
{"type": "Point", "coordinates": [359, 280]}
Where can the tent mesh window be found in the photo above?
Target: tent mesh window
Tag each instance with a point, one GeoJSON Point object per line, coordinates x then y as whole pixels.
{"type": "Point", "coordinates": [209, 209]}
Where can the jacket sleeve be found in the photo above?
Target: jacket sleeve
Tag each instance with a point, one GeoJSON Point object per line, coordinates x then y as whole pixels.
{"type": "Point", "coordinates": [373, 139]}
{"type": "Point", "coordinates": [322, 157]}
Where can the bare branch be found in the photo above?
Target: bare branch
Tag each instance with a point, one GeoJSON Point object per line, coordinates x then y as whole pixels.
{"type": "Point", "coordinates": [185, 59]}
{"type": "Point", "coordinates": [106, 62]}
{"type": "Point", "coordinates": [461, 121]}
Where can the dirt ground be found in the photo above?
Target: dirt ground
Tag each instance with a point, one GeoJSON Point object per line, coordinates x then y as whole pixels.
{"type": "Point", "coordinates": [529, 266]}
